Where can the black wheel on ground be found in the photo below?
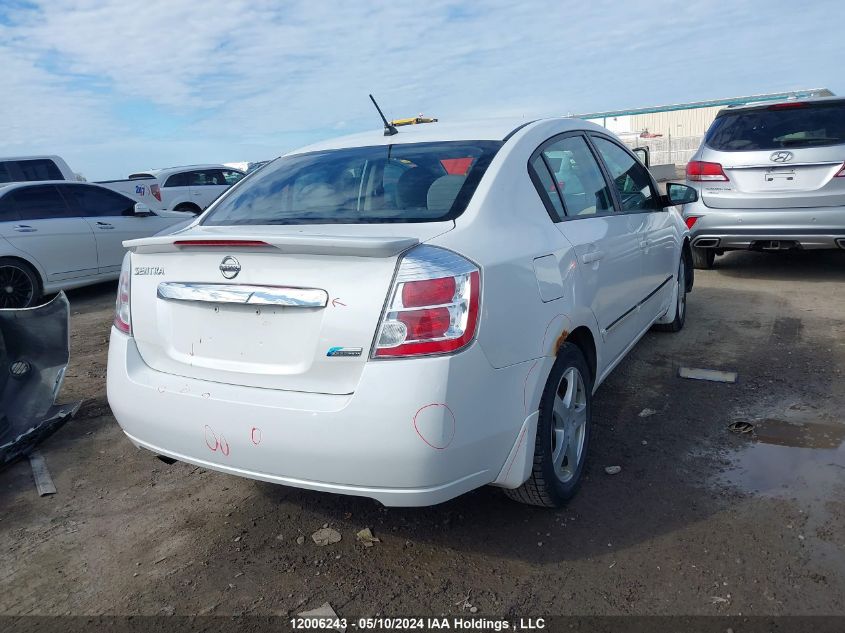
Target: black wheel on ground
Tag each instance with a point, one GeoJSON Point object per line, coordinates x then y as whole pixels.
{"type": "Point", "coordinates": [187, 206]}
{"type": "Point", "coordinates": [19, 284]}
{"type": "Point", "coordinates": [681, 304]}
{"type": "Point", "coordinates": [563, 433]}
{"type": "Point", "coordinates": [703, 258]}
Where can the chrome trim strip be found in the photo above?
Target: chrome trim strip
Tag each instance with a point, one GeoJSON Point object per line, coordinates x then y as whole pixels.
{"type": "Point", "coordinates": [243, 294]}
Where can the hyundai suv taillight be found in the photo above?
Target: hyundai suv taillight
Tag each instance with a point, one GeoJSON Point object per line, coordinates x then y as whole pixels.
{"type": "Point", "coordinates": [841, 172]}
{"type": "Point", "coordinates": [433, 305]}
{"type": "Point", "coordinates": [122, 316]}
{"type": "Point", "coordinates": [702, 171]}
{"type": "Point", "coordinates": [156, 191]}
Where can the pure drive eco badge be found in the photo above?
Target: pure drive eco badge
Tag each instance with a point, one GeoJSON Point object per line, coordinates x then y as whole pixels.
{"type": "Point", "coordinates": [344, 351]}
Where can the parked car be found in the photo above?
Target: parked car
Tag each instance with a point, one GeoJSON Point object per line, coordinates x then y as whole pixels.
{"type": "Point", "coordinates": [191, 188]}
{"type": "Point", "coordinates": [770, 177]}
{"type": "Point", "coordinates": [33, 168]}
{"type": "Point", "coordinates": [56, 235]}
{"type": "Point", "coordinates": [402, 317]}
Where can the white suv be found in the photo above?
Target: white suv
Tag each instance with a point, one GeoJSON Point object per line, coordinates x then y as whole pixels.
{"type": "Point", "coordinates": [193, 187]}
{"type": "Point", "coordinates": [404, 317]}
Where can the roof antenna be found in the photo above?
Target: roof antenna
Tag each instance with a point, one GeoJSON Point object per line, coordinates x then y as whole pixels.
{"type": "Point", "coordinates": [389, 128]}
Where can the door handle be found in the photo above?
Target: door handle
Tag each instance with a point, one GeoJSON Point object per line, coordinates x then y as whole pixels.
{"type": "Point", "coordinates": [104, 225]}
{"type": "Point", "coordinates": [197, 193]}
{"type": "Point", "coordinates": [25, 228]}
{"type": "Point", "coordinates": [592, 256]}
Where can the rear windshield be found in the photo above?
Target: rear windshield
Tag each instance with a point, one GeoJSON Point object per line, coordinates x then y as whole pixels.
{"type": "Point", "coordinates": [415, 182]}
{"type": "Point", "coordinates": [775, 127]}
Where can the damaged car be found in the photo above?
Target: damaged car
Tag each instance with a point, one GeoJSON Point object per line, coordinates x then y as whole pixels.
{"type": "Point", "coordinates": [404, 316]}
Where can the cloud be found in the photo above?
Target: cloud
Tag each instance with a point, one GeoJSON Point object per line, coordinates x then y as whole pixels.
{"type": "Point", "coordinates": [191, 81]}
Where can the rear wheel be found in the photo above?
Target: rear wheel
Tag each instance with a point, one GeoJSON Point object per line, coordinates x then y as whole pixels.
{"type": "Point", "coordinates": [563, 433]}
{"type": "Point", "coordinates": [703, 258]}
{"type": "Point", "coordinates": [19, 286]}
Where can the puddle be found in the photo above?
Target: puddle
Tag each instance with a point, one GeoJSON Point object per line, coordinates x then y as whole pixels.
{"type": "Point", "coordinates": [804, 461]}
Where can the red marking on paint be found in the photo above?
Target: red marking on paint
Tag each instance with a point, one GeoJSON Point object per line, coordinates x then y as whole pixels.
{"type": "Point", "coordinates": [255, 435]}
{"type": "Point", "coordinates": [515, 453]}
{"type": "Point", "coordinates": [435, 404]}
{"type": "Point", "coordinates": [224, 446]}
{"type": "Point", "coordinates": [337, 302]}
{"type": "Point", "coordinates": [214, 448]}
{"type": "Point", "coordinates": [525, 389]}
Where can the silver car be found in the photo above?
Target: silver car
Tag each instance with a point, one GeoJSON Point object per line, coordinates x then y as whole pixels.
{"type": "Point", "coordinates": [769, 177]}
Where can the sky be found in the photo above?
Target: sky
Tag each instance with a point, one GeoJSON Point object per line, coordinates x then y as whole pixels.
{"type": "Point", "coordinates": [120, 86]}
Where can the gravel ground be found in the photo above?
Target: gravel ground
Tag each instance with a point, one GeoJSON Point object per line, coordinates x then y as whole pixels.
{"type": "Point", "coordinates": [699, 520]}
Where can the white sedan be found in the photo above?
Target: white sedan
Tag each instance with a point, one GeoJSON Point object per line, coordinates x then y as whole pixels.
{"type": "Point", "coordinates": [404, 317]}
{"type": "Point", "coordinates": [60, 235]}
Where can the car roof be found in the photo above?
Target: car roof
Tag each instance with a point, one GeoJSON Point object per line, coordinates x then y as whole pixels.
{"type": "Point", "coordinates": [753, 105]}
{"type": "Point", "coordinates": [33, 157]}
{"type": "Point", "coordinates": [477, 130]}
{"type": "Point", "coordinates": [167, 171]}
{"type": "Point", "coordinates": [8, 186]}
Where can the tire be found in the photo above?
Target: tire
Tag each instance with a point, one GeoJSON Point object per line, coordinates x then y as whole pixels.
{"type": "Point", "coordinates": [187, 206]}
{"type": "Point", "coordinates": [703, 258]}
{"type": "Point", "coordinates": [555, 480]}
{"type": "Point", "coordinates": [681, 305]}
{"type": "Point", "coordinates": [20, 286]}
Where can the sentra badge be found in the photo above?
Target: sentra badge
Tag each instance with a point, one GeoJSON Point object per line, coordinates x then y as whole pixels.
{"type": "Point", "coordinates": [149, 270]}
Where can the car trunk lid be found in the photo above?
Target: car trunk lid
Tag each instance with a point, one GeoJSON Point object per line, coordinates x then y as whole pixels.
{"type": "Point", "coordinates": [293, 308]}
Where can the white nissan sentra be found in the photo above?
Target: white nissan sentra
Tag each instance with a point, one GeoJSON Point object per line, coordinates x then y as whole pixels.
{"type": "Point", "coordinates": [404, 317]}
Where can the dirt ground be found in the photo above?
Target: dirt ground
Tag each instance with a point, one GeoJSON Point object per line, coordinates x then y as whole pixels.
{"type": "Point", "coordinates": [699, 521]}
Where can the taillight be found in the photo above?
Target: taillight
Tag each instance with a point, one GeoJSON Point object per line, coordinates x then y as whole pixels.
{"type": "Point", "coordinates": [699, 171]}
{"type": "Point", "coordinates": [433, 306]}
{"type": "Point", "coordinates": [691, 220]}
{"type": "Point", "coordinates": [122, 316]}
{"type": "Point", "coordinates": [156, 191]}
{"type": "Point", "coordinates": [841, 172]}
{"type": "Point", "coordinates": [787, 105]}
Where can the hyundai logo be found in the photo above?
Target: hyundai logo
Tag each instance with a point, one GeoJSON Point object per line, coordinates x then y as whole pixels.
{"type": "Point", "coordinates": [781, 157]}
{"type": "Point", "coordinates": [230, 267]}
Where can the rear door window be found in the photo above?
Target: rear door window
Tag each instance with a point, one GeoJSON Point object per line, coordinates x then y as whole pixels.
{"type": "Point", "coordinates": [206, 177]}
{"type": "Point", "coordinates": [96, 202]}
{"type": "Point", "coordinates": [631, 179]}
{"type": "Point", "coordinates": [177, 180]}
{"type": "Point", "coordinates": [40, 203]}
{"type": "Point", "coordinates": [787, 125]}
{"type": "Point", "coordinates": [413, 182]}
{"type": "Point", "coordinates": [578, 177]}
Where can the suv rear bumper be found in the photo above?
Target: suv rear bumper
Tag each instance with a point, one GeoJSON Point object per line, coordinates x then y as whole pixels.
{"type": "Point", "coordinates": [415, 432]}
{"type": "Point", "coordinates": [805, 228]}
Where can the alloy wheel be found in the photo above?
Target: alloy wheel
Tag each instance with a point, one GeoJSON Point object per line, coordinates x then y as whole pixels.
{"type": "Point", "coordinates": [570, 423]}
{"type": "Point", "coordinates": [16, 287]}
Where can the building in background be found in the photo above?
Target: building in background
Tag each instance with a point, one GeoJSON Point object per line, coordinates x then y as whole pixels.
{"type": "Point", "coordinates": [673, 132]}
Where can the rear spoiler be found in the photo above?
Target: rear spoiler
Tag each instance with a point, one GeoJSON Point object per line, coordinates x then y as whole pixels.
{"type": "Point", "coordinates": [294, 244]}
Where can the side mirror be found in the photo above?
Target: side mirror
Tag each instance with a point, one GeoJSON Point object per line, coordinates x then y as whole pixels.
{"type": "Point", "coordinates": [142, 210]}
{"type": "Point", "coordinates": [676, 194]}
{"type": "Point", "coordinates": [644, 154]}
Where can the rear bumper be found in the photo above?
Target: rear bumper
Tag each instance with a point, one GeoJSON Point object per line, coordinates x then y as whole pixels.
{"type": "Point", "coordinates": [806, 228]}
{"type": "Point", "coordinates": [415, 432]}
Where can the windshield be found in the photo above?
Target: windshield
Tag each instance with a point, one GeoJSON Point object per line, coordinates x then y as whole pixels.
{"type": "Point", "coordinates": [415, 182]}
{"type": "Point", "coordinates": [790, 125]}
